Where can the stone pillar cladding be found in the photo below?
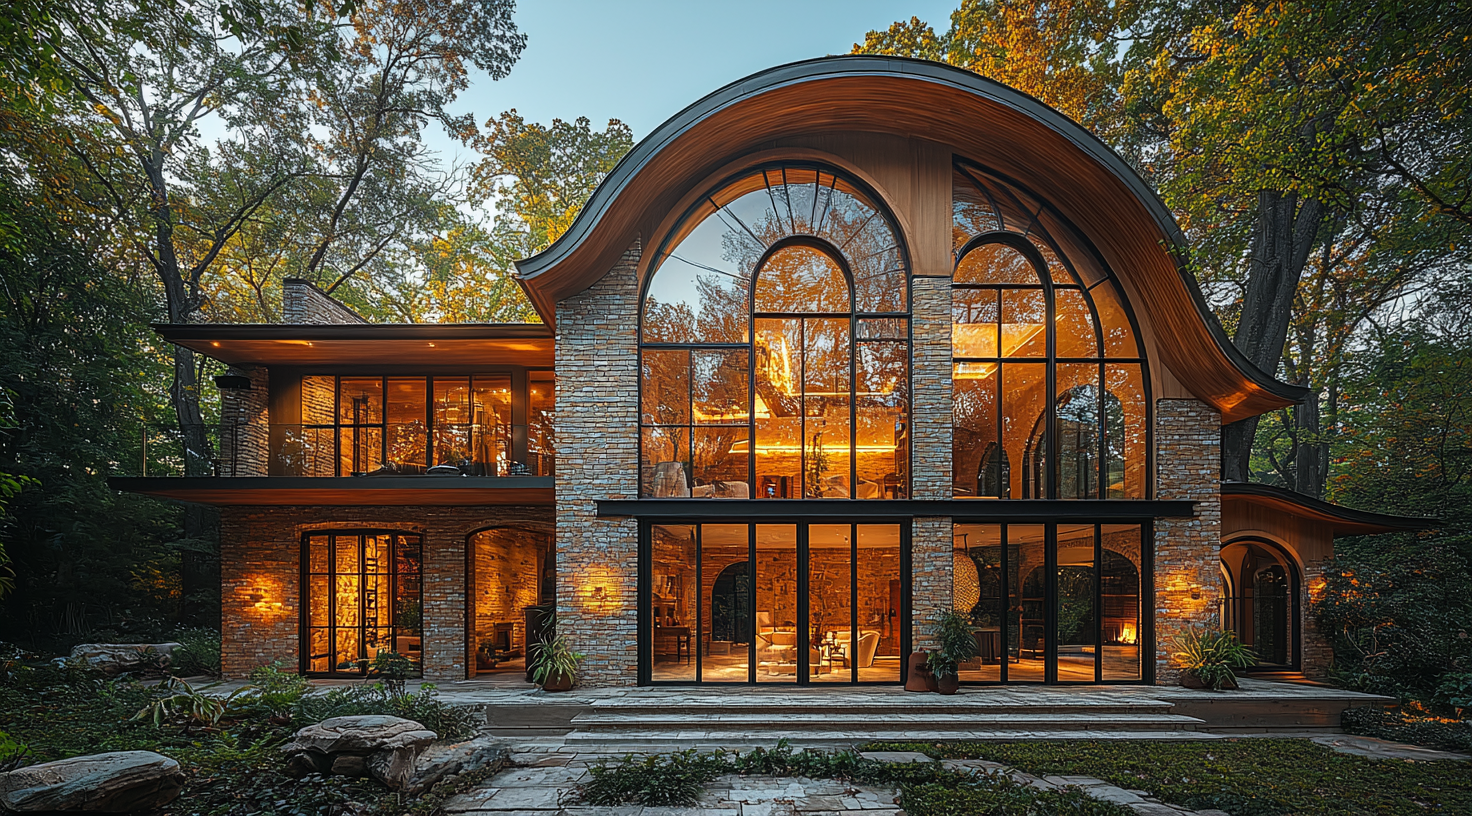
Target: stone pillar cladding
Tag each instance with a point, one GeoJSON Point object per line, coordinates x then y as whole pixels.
{"type": "Point", "coordinates": [245, 431]}
{"type": "Point", "coordinates": [260, 582]}
{"type": "Point", "coordinates": [597, 417]}
{"type": "Point", "coordinates": [1316, 653]}
{"type": "Point", "coordinates": [1187, 550]}
{"type": "Point", "coordinates": [930, 469]}
{"type": "Point", "coordinates": [304, 303]}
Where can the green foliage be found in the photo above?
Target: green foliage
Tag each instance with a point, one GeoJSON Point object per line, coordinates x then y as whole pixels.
{"type": "Point", "coordinates": [12, 754]}
{"type": "Point", "coordinates": [1408, 724]}
{"type": "Point", "coordinates": [555, 657]}
{"type": "Point", "coordinates": [954, 643]}
{"type": "Point", "coordinates": [425, 708]}
{"type": "Point", "coordinates": [1244, 777]}
{"type": "Point", "coordinates": [1211, 654]}
{"type": "Point", "coordinates": [184, 704]}
{"type": "Point", "coordinates": [1455, 691]}
{"type": "Point", "coordinates": [654, 781]}
{"type": "Point", "coordinates": [198, 653]}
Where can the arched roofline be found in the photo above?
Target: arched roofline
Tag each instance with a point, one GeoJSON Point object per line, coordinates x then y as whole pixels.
{"type": "Point", "coordinates": [1342, 520]}
{"type": "Point", "coordinates": [950, 106]}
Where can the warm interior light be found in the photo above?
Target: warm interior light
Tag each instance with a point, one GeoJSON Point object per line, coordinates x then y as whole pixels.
{"type": "Point", "coordinates": [1128, 634]}
{"type": "Point", "coordinates": [980, 340]}
{"type": "Point", "coordinates": [215, 343]}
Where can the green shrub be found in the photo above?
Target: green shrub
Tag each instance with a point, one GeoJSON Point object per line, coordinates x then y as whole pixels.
{"type": "Point", "coordinates": [198, 653]}
{"type": "Point", "coordinates": [1409, 726]}
{"type": "Point", "coordinates": [954, 644]}
{"type": "Point", "coordinates": [676, 780]}
{"type": "Point", "coordinates": [425, 708]}
{"type": "Point", "coordinates": [1455, 692]}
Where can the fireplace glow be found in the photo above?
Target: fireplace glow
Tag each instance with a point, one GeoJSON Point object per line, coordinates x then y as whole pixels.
{"type": "Point", "coordinates": [1128, 634]}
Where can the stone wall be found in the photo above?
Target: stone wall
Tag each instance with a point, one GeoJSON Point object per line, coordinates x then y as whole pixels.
{"type": "Point", "coordinates": [1316, 655]}
{"type": "Point", "coordinates": [930, 538]}
{"type": "Point", "coordinates": [1187, 550]}
{"type": "Point", "coordinates": [245, 431]}
{"type": "Point", "coordinates": [260, 557]}
{"type": "Point", "coordinates": [302, 302]}
{"type": "Point", "coordinates": [597, 421]}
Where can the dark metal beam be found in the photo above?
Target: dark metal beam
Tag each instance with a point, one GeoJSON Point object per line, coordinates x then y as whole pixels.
{"type": "Point", "coordinates": [1021, 510]}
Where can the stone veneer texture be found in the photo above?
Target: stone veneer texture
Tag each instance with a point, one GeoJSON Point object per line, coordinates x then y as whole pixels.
{"type": "Point", "coordinates": [302, 302]}
{"type": "Point", "coordinates": [1316, 655]}
{"type": "Point", "coordinates": [245, 431]}
{"type": "Point", "coordinates": [930, 472]}
{"type": "Point", "coordinates": [260, 557]}
{"type": "Point", "coordinates": [597, 420]}
{"type": "Point", "coordinates": [1187, 550]}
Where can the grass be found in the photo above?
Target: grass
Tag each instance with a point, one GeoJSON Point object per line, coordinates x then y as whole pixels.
{"type": "Point", "coordinates": [1244, 777]}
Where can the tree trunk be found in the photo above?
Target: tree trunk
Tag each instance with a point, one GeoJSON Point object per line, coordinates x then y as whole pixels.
{"type": "Point", "coordinates": [1281, 239]}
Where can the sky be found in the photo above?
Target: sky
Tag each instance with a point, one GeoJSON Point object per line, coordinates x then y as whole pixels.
{"type": "Point", "coordinates": [642, 61]}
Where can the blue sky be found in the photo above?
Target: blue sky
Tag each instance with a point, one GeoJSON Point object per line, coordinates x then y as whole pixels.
{"type": "Point", "coordinates": [643, 60]}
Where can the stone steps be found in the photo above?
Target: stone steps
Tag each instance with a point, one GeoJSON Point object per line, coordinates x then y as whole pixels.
{"type": "Point", "coordinates": [651, 741]}
{"type": "Point", "coordinates": [669, 721]}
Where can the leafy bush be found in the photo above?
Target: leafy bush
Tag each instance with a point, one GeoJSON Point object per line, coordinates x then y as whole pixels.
{"type": "Point", "coordinates": [1455, 692]}
{"type": "Point", "coordinates": [954, 644]}
{"type": "Point", "coordinates": [1417, 728]}
{"type": "Point", "coordinates": [198, 653]}
{"type": "Point", "coordinates": [654, 781]}
{"type": "Point", "coordinates": [1211, 655]}
{"type": "Point", "coordinates": [425, 708]}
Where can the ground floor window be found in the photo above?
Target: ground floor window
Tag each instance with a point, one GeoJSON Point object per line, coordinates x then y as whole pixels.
{"type": "Point", "coordinates": [1052, 603]}
{"type": "Point", "coordinates": [1260, 601]}
{"type": "Point", "coordinates": [364, 595]}
{"type": "Point", "coordinates": [794, 603]}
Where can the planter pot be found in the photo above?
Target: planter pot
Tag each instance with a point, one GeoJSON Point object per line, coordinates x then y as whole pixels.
{"type": "Point", "coordinates": [947, 683]}
{"type": "Point", "coordinates": [918, 677]}
{"type": "Point", "coordinates": [1190, 680]}
{"type": "Point", "coordinates": [558, 681]}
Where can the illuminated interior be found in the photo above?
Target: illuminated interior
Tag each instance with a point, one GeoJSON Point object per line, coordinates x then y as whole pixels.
{"type": "Point", "coordinates": [511, 586]}
{"type": "Point", "coordinates": [1032, 309]}
{"type": "Point", "coordinates": [775, 349]}
{"type": "Point", "coordinates": [364, 595]}
{"type": "Point", "coordinates": [714, 617]}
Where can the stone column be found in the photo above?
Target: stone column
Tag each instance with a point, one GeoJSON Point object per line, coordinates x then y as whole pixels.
{"type": "Point", "coordinates": [443, 608]}
{"type": "Point", "coordinates": [1316, 655]}
{"type": "Point", "coordinates": [930, 471]}
{"type": "Point", "coordinates": [303, 303]}
{"type": "Point", "coordinates": [597, 417]}
{"type": "Point", "coordinates": [1187, 550]}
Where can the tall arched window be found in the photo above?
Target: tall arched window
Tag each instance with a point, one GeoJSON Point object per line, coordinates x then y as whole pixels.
{"type": "Point", "coordinates": [1047, 371]}
{"type": "Point", "coordinates": [775, 344]}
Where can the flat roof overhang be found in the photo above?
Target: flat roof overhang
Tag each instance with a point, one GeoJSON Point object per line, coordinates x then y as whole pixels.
{"type": "Point", "coordinates": [225, 491]}
{"type": "Point", "coordinates": [458, 344]}
{"type": "Point", "coordinates": [1343, 520]}
{"type": "Point", "coordinates": [982, 510]}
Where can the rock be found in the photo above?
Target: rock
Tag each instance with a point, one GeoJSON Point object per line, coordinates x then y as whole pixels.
{"type": "Point", "coordinates": [376, 745]}
{"type": "Point", "coordinates": [440, 762]}
{"type": "Point", "coordinates": [116, 658]}
{"type": "Point", "coordinates": [116, 782]}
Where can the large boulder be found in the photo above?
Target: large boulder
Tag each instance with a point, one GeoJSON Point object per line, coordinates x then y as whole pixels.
{"type": "Point", "coordinates": [116, 658]}
{"type": "Point", "coordinates": [377, 745]}
{"type": "Point", "coordinates": [116, 782]}
{"type": "Point", "coordinates": [445, 760]}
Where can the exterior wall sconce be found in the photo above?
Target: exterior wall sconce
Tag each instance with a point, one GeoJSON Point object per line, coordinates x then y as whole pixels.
{"type": "Point", "coordinates": [232, 382]}
{"type": "Point", "coordinates": [599, 597]}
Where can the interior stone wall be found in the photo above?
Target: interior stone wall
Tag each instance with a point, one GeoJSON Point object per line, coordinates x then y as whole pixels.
{"type": "Point", "coordinates": [505, 578]}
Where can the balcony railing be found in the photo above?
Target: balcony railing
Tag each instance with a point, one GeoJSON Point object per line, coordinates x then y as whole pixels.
{"type": "Point", "coordinates": [403, 449]}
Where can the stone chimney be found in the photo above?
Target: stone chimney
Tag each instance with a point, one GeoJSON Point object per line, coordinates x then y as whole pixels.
{"type": "Point", "coordinates": [303, 302]}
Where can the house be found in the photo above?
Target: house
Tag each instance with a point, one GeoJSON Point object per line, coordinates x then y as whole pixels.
{"type": "Point", "coordinates": [841, 345]}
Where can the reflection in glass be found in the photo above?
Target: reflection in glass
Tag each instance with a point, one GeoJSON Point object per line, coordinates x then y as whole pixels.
{"type": "Point", "coordinates": [406, 426]}
{"type": "Point", "coordinates": [1125, 422]}
{"type": "Point", "coordinates": [801, 279]}
{"type": "Point", "coordinates": [996, 264]}
{"type": "Point", "coordinates": [1077, 406]}
{"type": "Point", "coordinates": [541, 438]}
{"type": "Point", "coordinates": [672, 598]}
{"type": "Point", "coordinates": [1027, 640]}
{"type": "Point", "coordinates": [363, 596]}
{"type": "Point", "coordinates": [979, 463]}
{"type": "Point", "coordinates": [1120, 591]}
{"type": "Point", "coordinates": [1075, 325]}
{"type": "Point", "coordinates": [777, 619]}
{"type": "Point", "coordinates": [1024, 398]}
{"type": "Point", "coordinates": [882, 440]}
{"type": "Point", "coordinates": [1077, 619]}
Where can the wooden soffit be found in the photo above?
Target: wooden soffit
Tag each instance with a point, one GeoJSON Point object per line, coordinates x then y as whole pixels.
{"type": "Point", "coordinates": [224, 491]}
{"type": "Point", "coordinates": [1342, 520]}
{"type": "Point", "coordinates": [978, 119]}
{"type": "Point", "coordinates": [367, 344]}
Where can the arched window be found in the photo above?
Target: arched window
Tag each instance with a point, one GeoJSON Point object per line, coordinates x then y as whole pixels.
{"type": "Point", "coordinates": [775, 344]}
{"type": "Point", "coordinates": [1047, 371]}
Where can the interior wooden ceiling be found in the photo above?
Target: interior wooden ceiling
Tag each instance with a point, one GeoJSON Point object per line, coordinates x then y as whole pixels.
{"type": "Point", "coordinates": [458, 345]}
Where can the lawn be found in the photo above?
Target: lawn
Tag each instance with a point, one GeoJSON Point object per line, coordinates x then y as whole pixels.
{"type": "Point", "coordinates": [1244, 777]}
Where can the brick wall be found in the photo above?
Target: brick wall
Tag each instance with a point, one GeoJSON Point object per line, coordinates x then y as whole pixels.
{"type": "Point", "coordinates": [1316, 655]}
{"type": "Point", "coordinates": [260, 556]}
{"type": "Point", "coordinates": [1187, 550]}
{"type": "Point", "coordinates": [597, 421]}
{"type": "Point", "coordinates": [302, 302]}
{"type": "Point", "coordinates": [245, 433]}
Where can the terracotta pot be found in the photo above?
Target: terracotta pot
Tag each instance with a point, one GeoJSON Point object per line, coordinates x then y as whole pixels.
{"type": "Point", "coordinates": [918, 676]}
{"type": "Point", "coordinates": [947, 683]}
{"type": "Point", "coordinates": [558, 681]}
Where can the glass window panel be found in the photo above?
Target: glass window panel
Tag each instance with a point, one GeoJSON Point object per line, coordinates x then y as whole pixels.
{"type": "Point", "coordinates": [1072, 245]}
{"type": "Point", "coordinates": [755, 213]}
{"type": "Point", "coordinates": [665, 394]}
{"type": "Point", "coordinates": [996, 263]}
{"type": "Point", "coordinates": [318, 398]}
{"type": "Point", "coordinates": [777, 634]}
{"type": "Point", "coordinates": [346, 553]}
{"type": "Point", "coordinates": [971, 212]}
{"type": "Point", "coordinates": [1125, 427]}
{"type": "Point", "coordinates": [361, 401]}
{"type": "Point", "coordinates": [361, 449]}
{"type": "Point", "coordinates": [1120, 588]}
{"type": "Point", "coordinates": [1016, 207]}
{"type": "Point", "coordinates": [319, 555]}
{"type": "Point", "coordinates": [975, 317]}
{"type": "Point", "coordinates": [832, 656]}
{"type": "Point", "coordinates": [1026, 628]}
{"type": "Point", "coordinates": [826, 433]}
{"type": "Point", "coordinates": [672, 594]}
{"type": "Point", "coordinates": [320, 598]}
{"type": "Point", "coordinates": [979, 466]}
{"type": "Point", "coordinates": [348, 656]}
{"type": "Point", "coordinates": [801, 279]}
{"type": "Point", "coordinates": [320, 651]}
{"type": "Point", "coordinates": [1057, 270]}
{"type": "Point", "coordinates": [878, 269]}
{"type": "Point", "coordinates": [978, 592]}
{"type": "Point", "coordinates": [375, 554]}
{"type": "Point", "coordinates": [1024, 320]}
{"type": "Point", "coordinates": [777, 189]}
{"type": "Point", "coordinates": [541, 436]}
{"type": "Point", "coordinates": [778, 408]}
{"type": "Point", "coordinates": [802, 196]}
{"type": "Point", "coordinates": [824, 202]}
{"type": "Point", "coordinates": [1024, 409]}
{"type": "Point", "coordinates": [882, 439]}
{"type": "Point", "coordinates": [879, 600]}
{"type": "Point", "coordinates": [1075, 324]}
{"type": "Point", "coordinates": [699, 294]}
{"type": "Point", "coordinates": [848, 213]}
{"type": "Point", "coordinates": [884, 328]}
{"type": "Point", "coordinates": [491, 424]}
{"type": "Point", "coordinates": [1119, 337]}
{"type": "Point", "coordinates": [719, 458]}
{"type": "Point", "coordinates": [720, 387]}
{"type": "Point", "coordinates": [726, 620]}
{"type": "Point", "coordinates": [1078, 430]}
{"type": "Point", "coordinates": [453, 427]}
{"type": "Point", "coordinates": [665, 471]}
{"type": "Point", "coordinates": [1076, 615]}
{"type": "Point", "coordinates": [348, 600]}
{"type": "Point", "coordinates": [405, 429]}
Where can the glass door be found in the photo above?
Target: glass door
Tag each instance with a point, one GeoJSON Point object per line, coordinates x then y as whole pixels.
{"type": "Point", "coordinates": [364, 596]}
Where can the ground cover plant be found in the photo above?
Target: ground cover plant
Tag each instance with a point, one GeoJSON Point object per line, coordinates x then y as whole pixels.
{"type": "Point", "coordinates": [1410, 723]}
{"type": "Point", "coordinates": [1246, 777]}
{"type": "Point", "coordinates": [926, 789]}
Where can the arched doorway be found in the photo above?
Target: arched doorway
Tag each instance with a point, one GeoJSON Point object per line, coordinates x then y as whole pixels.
{"type": "Point", "coordinates": [1261, 601]}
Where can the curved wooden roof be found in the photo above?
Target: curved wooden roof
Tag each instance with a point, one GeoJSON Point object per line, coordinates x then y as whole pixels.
{"type": "Point", "coordinates": [1343, 520]}
{"type": "Point", "coordinates": [979, 119]}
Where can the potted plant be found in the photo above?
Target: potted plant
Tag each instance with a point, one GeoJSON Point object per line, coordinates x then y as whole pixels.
{"type": "Point", "coordinates": [1208, 656]}
{"type": "Point", "coordinates": [555, 668]}
{"type": "Point", "coordinates": [954, 645]}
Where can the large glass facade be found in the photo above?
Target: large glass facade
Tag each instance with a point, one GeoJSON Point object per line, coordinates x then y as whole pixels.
{"type": "Point", "coordinates": [775, 345]}
{"type": "Point", "coordinates": [364, 595]}
{"type": "Point", "coordinates": [1049, 394]}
